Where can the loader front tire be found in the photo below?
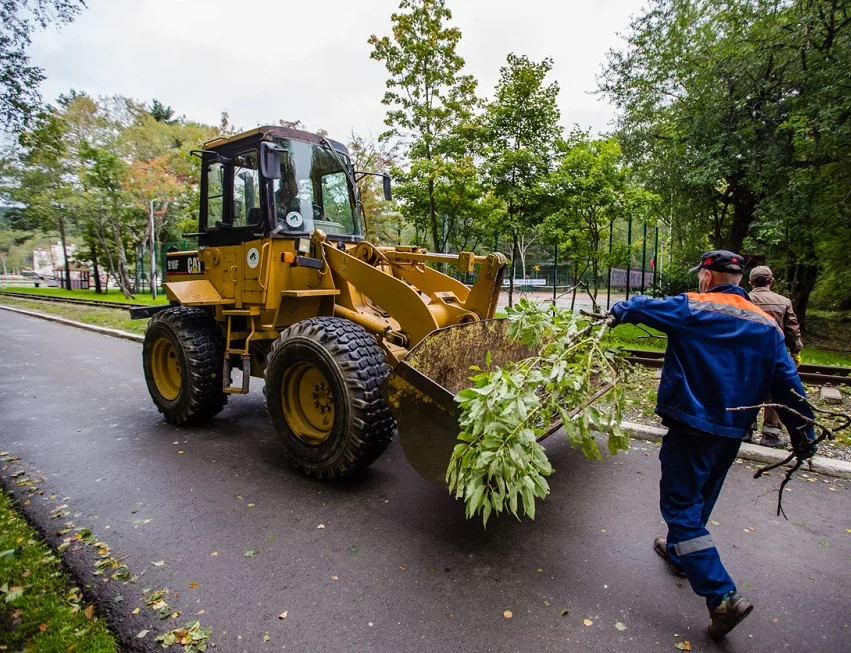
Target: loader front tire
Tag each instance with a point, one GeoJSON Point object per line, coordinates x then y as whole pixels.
{"type": "Point", "coordinates": [183, 358]}
{"type": "Point", "coordinates": [322, 394]}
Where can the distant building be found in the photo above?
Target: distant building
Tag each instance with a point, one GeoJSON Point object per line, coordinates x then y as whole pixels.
{"type": "Point", "coordinates": [50, 264]}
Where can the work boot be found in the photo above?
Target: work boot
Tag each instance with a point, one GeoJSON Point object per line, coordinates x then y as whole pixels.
{"type": "Point", "coordinates": [660, 546]}
{"type": "Point", "coordinates": [728, 614]}
{"type": "Point", "coordinates": [771, 439]}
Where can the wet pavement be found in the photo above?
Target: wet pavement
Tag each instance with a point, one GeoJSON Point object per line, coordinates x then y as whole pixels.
{"type": "Point", "coordinates": [386, 562]}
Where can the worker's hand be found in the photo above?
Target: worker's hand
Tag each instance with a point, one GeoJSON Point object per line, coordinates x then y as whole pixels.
{"type": "Point", "coordinates": [796, 356]}
{"type": "Point", "coordinates": [611, 320]}
{"type": "Point", "coordinates": [805, 450]}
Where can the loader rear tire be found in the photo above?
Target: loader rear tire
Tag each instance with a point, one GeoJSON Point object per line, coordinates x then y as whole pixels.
{"type": "Point", "coordinates": [183, 357]}
{"type": "Point", "coordinates": [322, 394]}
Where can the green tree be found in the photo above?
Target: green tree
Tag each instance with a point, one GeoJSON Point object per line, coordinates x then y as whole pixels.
{"type": "Point", "coordinates": [738, 112]}
{"type": "Point", "coordinates": [428, 99]}
{"type": "Point", "coordinates": [19, 79]}
{"type": "Point", "coordinates": [519, 128]}
{"type": "Point", "coordinates": [40, 185]}
{"type": "Point", "coordinates": [591, 189]}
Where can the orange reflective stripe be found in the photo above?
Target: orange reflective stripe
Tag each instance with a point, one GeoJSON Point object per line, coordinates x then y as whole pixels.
{"type": "Point", "coordinates": [732, 305]}
{"type": "Point", "coordinates": [728, 299]}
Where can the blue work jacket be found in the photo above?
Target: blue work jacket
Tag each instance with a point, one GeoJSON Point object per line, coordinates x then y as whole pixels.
{"type": "Point", "coordinates": [723, 352]}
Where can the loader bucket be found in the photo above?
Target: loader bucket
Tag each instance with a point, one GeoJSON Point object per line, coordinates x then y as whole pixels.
{"type": "Point", "coordinates": [423, 385]}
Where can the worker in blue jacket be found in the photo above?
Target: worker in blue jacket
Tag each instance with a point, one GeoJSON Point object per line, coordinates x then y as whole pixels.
{"type": "Point", "coordinates": [723, 352]}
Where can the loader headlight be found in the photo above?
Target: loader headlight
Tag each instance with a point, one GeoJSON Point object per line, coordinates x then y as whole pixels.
{"type": "Point", "coordinates": [303, 245]}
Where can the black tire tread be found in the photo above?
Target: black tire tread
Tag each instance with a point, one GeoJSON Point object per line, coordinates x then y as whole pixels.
{"type": "Point", "coordinates": [201, 396]}
{"type": "Point", "coordinates": [364, 368]}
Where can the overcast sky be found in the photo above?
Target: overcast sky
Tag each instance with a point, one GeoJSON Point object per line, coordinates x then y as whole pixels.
{"type": "Point", "coordinates": [308, 60]}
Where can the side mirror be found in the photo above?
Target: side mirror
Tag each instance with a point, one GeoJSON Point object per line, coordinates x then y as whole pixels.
{"type": "Point", "coordinates": [388, 193]}
{"type": "Point", "coordinates": [270, 161]}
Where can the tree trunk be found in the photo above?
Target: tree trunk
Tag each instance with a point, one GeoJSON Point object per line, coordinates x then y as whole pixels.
{"type": "Point", "coordinates": [123, 269]}
{"type": "Point", "coordinates": [64, 251]}
{"type": "Point", "coordinates": [515, 251]}
{"type": "Point", "coordinates": [805, 281]}
{"type": "Point", "coordinates": [96, 270]}
{"type": "Point", "coordinates": [744, 204]}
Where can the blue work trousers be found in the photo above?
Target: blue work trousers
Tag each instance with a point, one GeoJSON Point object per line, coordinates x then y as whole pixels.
{"type": "Point", "coordinates": [694, 466]}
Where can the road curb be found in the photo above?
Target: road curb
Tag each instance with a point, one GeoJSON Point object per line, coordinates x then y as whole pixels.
{"type": "Point", "coordinates": [115, 333]}
{"type": "Point", "coordinates": [754, 452]}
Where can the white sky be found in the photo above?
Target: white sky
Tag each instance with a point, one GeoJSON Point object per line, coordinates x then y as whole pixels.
{"type": "Point", "coordinates": [308, 60]}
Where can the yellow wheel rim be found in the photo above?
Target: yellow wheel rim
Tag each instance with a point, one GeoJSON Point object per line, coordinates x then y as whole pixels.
{"type": "Point", "coordinates": [165, 366]}
{"type": "Point", "coordinates": [307, 402]}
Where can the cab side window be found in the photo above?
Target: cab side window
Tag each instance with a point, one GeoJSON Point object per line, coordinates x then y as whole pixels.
{"type": "Point", "coordinates": [246, 190]}
{"type": "Point", "coordinates": [215, 194]}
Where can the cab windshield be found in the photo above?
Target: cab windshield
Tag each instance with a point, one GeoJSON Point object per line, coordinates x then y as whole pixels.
{"type": "Point", "coordinates": [313, 191]}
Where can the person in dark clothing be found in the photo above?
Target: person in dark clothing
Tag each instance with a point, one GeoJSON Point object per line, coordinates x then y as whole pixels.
{"type": "Point", "coordinates": [780, 308]}
{"type": "Point", "coordinates": [723, 352]}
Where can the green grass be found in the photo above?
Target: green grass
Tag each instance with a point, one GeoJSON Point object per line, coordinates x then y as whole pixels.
{"type": "Point", "coordinates": [111, 318]}
{"type": "Point", "coordinates": [40, 610]}
{"type": "Point", "coordinates": [111, 296]}
{"type": "Point", "coordinates": [634, 337]}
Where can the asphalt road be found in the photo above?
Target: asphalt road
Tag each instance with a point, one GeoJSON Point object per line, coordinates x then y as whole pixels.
{"type": "Point", "coordinates": [386, 563]}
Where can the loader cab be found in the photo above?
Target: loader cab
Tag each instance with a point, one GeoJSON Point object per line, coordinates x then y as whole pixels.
{"type": "Point", "coordinates": [275, 182]}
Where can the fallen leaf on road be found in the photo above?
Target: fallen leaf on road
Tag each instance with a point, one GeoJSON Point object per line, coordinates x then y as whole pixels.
{"type": "Point", "coordinates": [321, 526]}
{"type": "Point", "coordinates": [251, 505]}
{"type": "Point", "coordinates": [508, 614]}
{"type": "Point", "coordinates": [193, 585]}
{"type": "Point", "coordinates": [141, 633]}
{"type": "Point", "coordinates": [266, 637]}
{"type": "Point", "coordinates": [588, 622]}
{"type": "Point", "coordinates": [158, 563]}
{"type": "Point", "coordinates": [214, 553]}
{"type": "Point", "coordinates": [685, 645]}
{"type": "Point", "coordinates": [283, 615]}
{"type": "Point", "coordinates": [565, 611]}
{"type": "Point", "coordinates": [249, 554]}
{"type": "Point", "coordinates": [89, 612]}
{"type": "Point", "coordinates": [335, 578]}
{"type": "Point", "coordinates": [825, 543]}
{"type": "Point", "coordinates": [620, 626]}
{"type": "Point", "coordinates": [135, 611]}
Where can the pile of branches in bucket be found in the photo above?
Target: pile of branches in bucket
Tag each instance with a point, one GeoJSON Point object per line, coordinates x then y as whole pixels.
{"type": "Point", "coordinates": [499, 464]}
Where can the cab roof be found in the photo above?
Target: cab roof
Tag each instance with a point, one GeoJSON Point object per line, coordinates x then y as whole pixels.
{"type": "Point", "coordinates": [268, 132]}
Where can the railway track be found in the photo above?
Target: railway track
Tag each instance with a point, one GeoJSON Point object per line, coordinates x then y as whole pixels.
{"type": "Point", "coordinates": [67, 300]}
{"type": "Point", "coordinates": [810, 374]}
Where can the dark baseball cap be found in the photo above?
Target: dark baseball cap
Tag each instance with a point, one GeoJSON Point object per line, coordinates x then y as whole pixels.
{"type": "Point", "coordinates": [720, 260]}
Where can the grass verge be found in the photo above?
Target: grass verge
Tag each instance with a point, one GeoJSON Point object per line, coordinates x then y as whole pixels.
{"type": "Point", "coordinates": [40, 609]}
{"type": "Point", "coordinates": [111, 296]}
{"type": "Point", "coordinates": [117, 318]}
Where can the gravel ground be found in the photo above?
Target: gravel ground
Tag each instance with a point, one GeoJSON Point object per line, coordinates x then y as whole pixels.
{"type": "Point", "coordinates": [641, 397]}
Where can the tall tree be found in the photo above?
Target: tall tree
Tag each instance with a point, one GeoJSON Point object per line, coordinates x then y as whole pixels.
{"type": "Point", "coordinates": [427, 99]}
{"type": "Point", "coordinates": [520, 126]}
{"type": "Point", "coordinates": [19, 79]}
{"type": "Point", "coordinates": [41, 182]}
{"type": "Point", "coordinates": [740, 113]}
{"type": "Point", "coordinates": [590, 190]}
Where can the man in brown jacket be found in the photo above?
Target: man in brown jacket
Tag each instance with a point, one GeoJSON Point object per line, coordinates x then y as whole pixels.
{"type": "Point", "coordinates": [780, 308]}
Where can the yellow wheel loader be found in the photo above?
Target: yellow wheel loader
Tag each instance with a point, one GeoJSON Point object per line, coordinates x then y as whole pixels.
{"type": "Point", "coordinates": [352, 338]}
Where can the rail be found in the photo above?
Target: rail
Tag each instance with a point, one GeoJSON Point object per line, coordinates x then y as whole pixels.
{"type": "Point", "coordinates": [810, 374]}
{"type": "Point", "coordinates": [67, 300]}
